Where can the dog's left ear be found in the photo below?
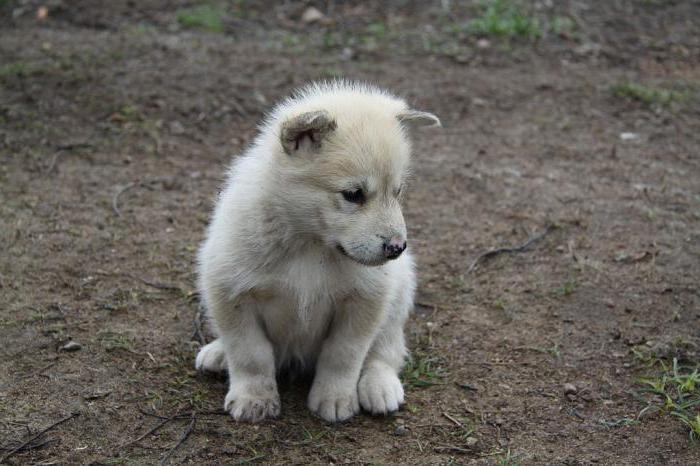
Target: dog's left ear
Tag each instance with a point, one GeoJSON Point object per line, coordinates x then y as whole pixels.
{"type": "Point", "coordinates": [418, 118]}
{"type": "Point", "coordinates": [306, 131]}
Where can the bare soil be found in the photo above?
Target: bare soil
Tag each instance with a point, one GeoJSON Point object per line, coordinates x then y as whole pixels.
{"type": "Point", "coordinates": [116, 123]}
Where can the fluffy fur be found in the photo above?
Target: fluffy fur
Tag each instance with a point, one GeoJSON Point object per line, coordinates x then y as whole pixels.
{"type": "Point", "coordinates": [292, 272]}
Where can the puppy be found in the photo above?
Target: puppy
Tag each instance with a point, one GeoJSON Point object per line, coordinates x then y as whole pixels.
{"type": "Point", "coordinates": [305, 259]}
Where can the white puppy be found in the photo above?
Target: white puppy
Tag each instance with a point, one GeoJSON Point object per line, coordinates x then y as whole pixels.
{"type": "Point", "coordinates": [305, 261]}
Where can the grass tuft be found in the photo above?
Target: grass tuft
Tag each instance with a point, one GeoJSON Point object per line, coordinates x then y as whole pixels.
{"type": "Point", "coordinates": [505, 18]}
{"type": "Point", "coordinates": [676, 391]}
{"type": "Point", "coordinates": [566, 288]}
{"type": "Point", "coordinates": [112, 341]}
{"type": "Point", "coordinates": [509, 459]}
{"type": "Point", "coordinates": [203, 17]}
{"type": "Point", "coordinates": [422, 371]}
{"type": "Point", "coordinates": [647, 95]}
{"type": "Point", "coordinates": [615, 423]}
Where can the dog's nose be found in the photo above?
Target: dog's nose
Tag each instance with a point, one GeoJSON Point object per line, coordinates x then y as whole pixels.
{"type": "Point", "coordinates": [394, 247]}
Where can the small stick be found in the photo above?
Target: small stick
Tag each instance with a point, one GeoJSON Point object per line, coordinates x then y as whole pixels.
{"type": "Point", "coordinates": [184, 437]}
{"type": "Point", "coordinates": [115, 199]}
{"type": "Point", "coordinates": [53, 162]}
{"type": "Point", "coordinates": [509, 250]}
{"type": "Point", "coordinates": [150, 431]}
{"type": "Point", "coordinates": [148, 413]}
{"type": "Point", "coordinates": [65, 147]}
{"type": "Point", "coordinates": [160, 286]}
{"type": "Point", "coordinates": [142, 184]}
{"type": "Point", "coordinates": [33, 446]}
{"type": "Point", "coordinates": [39, 371]}
{"type": "Point", "coordinates": [73, 145]}
{"type": "Point", "coordinates": [23, 445]}
{"type": "Point", "coordinates": [457, 423]}
{"type": "Point", "coordinates": [185, 415]}
{"type": "Point", "coordinates": [453, 448]}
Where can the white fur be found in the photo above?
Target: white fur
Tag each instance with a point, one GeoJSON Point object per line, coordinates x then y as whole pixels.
{"type": "Point", "coordinates": [274, 281]}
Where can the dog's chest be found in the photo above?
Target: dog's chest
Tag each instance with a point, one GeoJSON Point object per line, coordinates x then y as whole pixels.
{"type": "Point", "coordinates": [302, 296]}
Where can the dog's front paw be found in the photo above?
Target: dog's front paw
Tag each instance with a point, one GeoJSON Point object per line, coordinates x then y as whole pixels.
{"type": "Point", "coordinates": [211, 358]}
{"type": "Point", "coordinates": [253, 405]}
{"type": "Point", "coordinates": [334, 401]}
{"type": "Point", "coordinates": [380, 390]}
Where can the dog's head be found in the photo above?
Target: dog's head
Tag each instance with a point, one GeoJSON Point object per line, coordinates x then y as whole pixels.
{"type": "Point", "coordinates": [345, 159]}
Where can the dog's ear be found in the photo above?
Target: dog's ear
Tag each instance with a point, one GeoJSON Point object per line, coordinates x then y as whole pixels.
{"type": "Point", "coordinates": [417, 118]}
{"type": "Point", "coordinates": [306, 131]}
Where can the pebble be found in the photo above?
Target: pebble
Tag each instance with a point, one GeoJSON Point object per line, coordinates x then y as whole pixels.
{"type": "Point", "coordinates": [483, 43]}
{"type": "Point", "coordinates": [72, 346]}
{"type": "Point", "coordinates": [347, 54]}
{"type": "Point", "coordinates": [401, 430]}
{"type": "Point", "coordinates": [629, 136]}
{"type": "Point", "coordinates": [570, 389]}
{"type": "Point", "coordinates": [472, 441]}
{"type": "Point", "coordinates": [312, 15]}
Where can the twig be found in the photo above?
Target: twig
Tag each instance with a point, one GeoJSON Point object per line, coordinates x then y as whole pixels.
{"type": "Point", "coordinates": [457, 423]}
{"type": "Point", "coordinates": [185, 415]}
{"type": "Point", "coordinates": [160, 286]}
{"type": "Point", "coordinates": [65, 147]}
{"type": "Point", "coordinates": [509, 250]}
{"type": "Point", "coordinates": [167, 419]}
{"type": "Point", "coordinates": [33, 446]}
{"type": "Point", "coordinates": [148, 413]}
{"type": "Point", "coordinates": [39, 371]}
{"type": "Point", "coordinates": [73, 145]}
{"type": "Point", "coordinates": [53, 162]}
{"type": "Point", "coordinates": [150, 431]}
{"type": "Point", "coordinates": [141, 184]}
{"type": "Point", "coordinates": [184, 437]}
{"type": "Point", "coordinates": [453, 448]}
{"type": "Point", "coordinates": [24, 444]}
{"type": "Point", "coordinates": [115, 198]}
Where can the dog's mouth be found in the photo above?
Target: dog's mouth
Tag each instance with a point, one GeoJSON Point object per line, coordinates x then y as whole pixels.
{"type": "Point", "coordinates": [345, 253]}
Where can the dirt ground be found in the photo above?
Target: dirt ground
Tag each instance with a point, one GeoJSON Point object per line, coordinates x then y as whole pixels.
{"type": "Point", "coordinates": [118, 118]}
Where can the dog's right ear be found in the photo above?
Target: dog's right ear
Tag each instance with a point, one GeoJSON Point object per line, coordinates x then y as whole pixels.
{"type": "Point", "coordinates": [306, 131]}
{"type": "Point", "coordinates": [417, 118]}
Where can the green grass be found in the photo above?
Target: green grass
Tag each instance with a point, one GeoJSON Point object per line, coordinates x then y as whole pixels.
{"type": "Point", "coordinates": [647, 95]}
{"type": "Point", "coordinates": [111, 341]}
{"type": "Point", "coordinates": [14, 69]}
{"type": "Point", "coordinates": [551, 350]}
{"type": "Point", "coordinates": [203, 17]}
{"type": "Point", "coordinates": [505, 18]}
{"type": "Point", "coordinates": [23, 69]}
{"type": "Point", "coordinates": [566, 288]}
{"type": "Point", "coordinates": [509, 459]}
{"type": "Point", "coordinates": [615, 423]}
{"type": "Point", "coordinates": [501, 303]}
{"type": "Point", "coordinates": [422, 371]}
{"type": "Point", "coordinates": [675, 391]}
{"type": "Point", "coordinates": [458, 282]}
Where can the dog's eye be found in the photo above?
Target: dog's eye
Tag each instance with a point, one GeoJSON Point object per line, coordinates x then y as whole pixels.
{"type": "Point", "coordinates": [356, 196]}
